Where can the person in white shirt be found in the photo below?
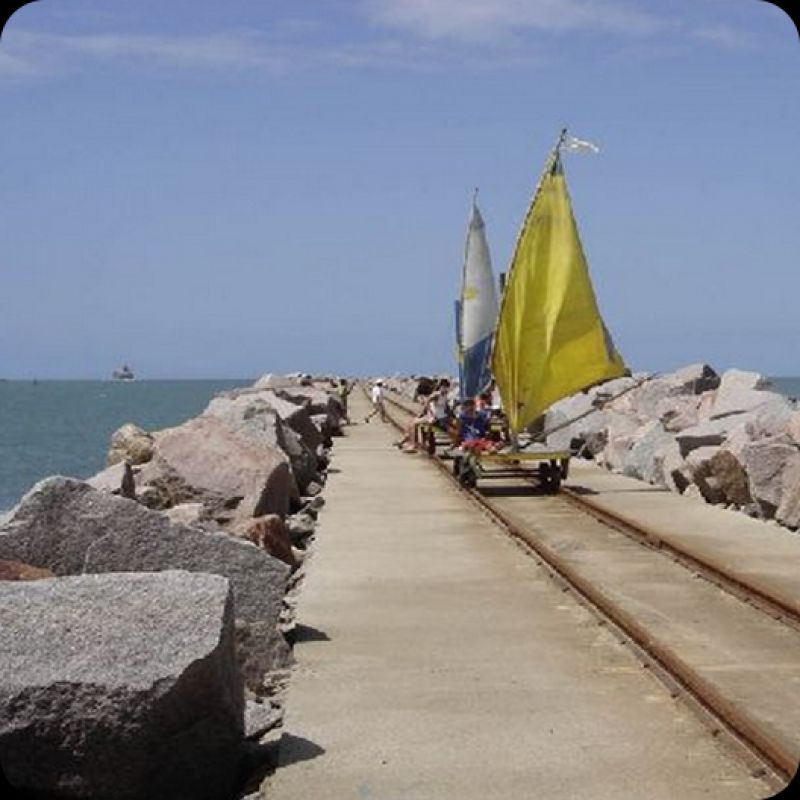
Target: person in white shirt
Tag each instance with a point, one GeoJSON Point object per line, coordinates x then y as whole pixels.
{"type": "Point", "coordinates": [436, 411]}
{"type": "Point", "coordinates": [378, 406]}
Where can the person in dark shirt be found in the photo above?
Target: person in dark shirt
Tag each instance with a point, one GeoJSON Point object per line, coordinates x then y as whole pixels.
{"type": "Point", "coordinates": [343, 390]}
{"type": "Point", "coordinates": [424, 389]}
{"type": "Point", "coordinates": [473, 428]}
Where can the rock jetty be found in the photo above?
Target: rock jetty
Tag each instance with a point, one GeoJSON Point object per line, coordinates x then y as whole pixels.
{"type": "Point", "coordinates": [147, 611]}
{"type": "Point", "coordinates": [725, 439]}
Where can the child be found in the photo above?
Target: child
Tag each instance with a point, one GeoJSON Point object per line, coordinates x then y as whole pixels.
{"type": "Point", "coordinates": [473, 428]}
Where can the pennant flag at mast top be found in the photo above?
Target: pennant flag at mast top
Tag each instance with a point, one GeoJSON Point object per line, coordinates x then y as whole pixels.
{"type": "Point", "coordinates": [550, 339]}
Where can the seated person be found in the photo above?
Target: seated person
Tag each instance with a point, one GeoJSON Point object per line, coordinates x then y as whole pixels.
{"type": "Point", "coordinates": [423, 390]}
{"type": "Point", "coordinates": [436, 412]}
{"type": "Point", "coordinates": [498, 427]}
{"type": "Point", "coordinates": [440, 410]}
{"type": "Point", "coordinates": [472, 429]}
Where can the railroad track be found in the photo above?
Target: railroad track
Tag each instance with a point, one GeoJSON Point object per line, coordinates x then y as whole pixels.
{"type": "Point", "coordinates": [771, 754]}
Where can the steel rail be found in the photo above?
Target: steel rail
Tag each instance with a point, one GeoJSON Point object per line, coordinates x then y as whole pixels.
{"type": "Point", "coordinates": [770, 602]}
{"type": "Point", "coordinates": [718, 712]}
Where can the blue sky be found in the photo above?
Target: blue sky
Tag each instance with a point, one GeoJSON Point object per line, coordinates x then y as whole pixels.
{"type": "Point", "coordinates": [208, 189]}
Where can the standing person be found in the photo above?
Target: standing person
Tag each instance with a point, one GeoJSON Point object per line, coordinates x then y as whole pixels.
{"type": "Point", "coordinates": [342, 392]}
{"type": "Point", "coordinates": [378, 406]}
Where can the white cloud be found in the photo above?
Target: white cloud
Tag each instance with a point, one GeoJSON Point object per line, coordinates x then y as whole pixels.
{"type": "Point", "coordinates": [725, 36]}
{"type": "Point", "coordinates": [480, 20]}
{"type": "Point", "coordinates": [403, 34]}
{"type": "Point", "coordinates": [14, 66]}
{"type": "Point", "coordinates": [28, 53]}
{"type": "Point", "coordinates": [44, 52]}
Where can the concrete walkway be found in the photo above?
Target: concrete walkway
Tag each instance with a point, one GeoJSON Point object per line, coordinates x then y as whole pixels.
{"type": "Point", "coordinates": [758, 553]}
{"type": "Point", "coordinates": [438, 661]}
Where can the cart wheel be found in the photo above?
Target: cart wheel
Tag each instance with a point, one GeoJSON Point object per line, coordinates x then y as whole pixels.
{"type": "Point", "coordinates": [564, 468]}
{"type": "Point", "coordinates": [550, 477]}
{"type": "Point", "coordinates": [554, 484]}
{"type": "Point", "coordinates": [467, 478]}
{"type": "Point", "coordinates": [431, 442]}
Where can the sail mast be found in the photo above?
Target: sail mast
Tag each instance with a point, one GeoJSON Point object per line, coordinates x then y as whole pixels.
{"type": "Point", "coordinates": [548, 166]}
{"type": "Point", "coordinates": [550, 340]}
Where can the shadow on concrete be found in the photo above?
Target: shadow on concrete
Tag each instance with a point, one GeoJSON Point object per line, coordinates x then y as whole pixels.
{"type": "Point", "coordinates": [294, 749]}
{"type": "Point", "coordinates": [306, 633]}
{"type": "Point", "coordinates": [531, 490]}
{"type": "Point", "coordinates": [259, 761]}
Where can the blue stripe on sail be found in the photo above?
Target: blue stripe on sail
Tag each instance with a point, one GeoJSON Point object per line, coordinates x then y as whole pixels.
{"type": "Point", "coordinates": [459, 345]}
{"type": "Point", "coordinates": [476, 368]}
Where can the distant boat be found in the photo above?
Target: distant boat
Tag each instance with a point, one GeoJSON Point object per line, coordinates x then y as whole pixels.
{"type": "Point", "coordinates": [125, 373]}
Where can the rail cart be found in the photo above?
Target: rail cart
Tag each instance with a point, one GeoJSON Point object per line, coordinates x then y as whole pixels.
{"type": "Point", "coordinates": [547, 467]}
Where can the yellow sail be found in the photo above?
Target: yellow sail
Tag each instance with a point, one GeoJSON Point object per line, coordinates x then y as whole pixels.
{"type": "Point", "coordinates": [550, 340]}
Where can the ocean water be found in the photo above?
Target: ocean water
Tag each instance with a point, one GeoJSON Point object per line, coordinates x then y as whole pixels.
{"type": "Point", "coordinates": [64, 427]}
{"type": "Point", "coordinates": [788, 386]}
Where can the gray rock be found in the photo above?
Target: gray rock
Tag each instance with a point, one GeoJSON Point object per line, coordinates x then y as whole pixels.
{"type": "Point", "coordinates": [211, 458]}
{"type": "Point", "coordinates": [700, 457]}
{"type": "Point", "coordinates": [326, 409]}
{"type": "Point", "coordinates": [255, 417]}
{"type": "Point", "coordinates": [576, 420]}
{"type": "Point", "coordinates": [109, 479]}
{"type": "Point", "coordinates": [788, 512]}
{"type": "Point", "coordinates": [130, 443]}
{"type": "Point", "coordinates": [261, 649]}
{"type": "Point", "coordinates": [260, 717]}
{"type": "Point", "coordinates": [705, 434]}
{"type": "Point", "coordinates": [695, 378]}
{"type": "Point", "coordinates": [693, 493]}
{"type": "Point", "coordinates": [313, 489]}
{"type": "Point", "coordinates": [295, 414]}
{"type": "Point", "coordinates": [614, 394]}
{"type": "Point", "coordinates": [742, 391]}
{"type": "Point", "coordinates": [793, 427]}
{"type": "Point", "coordinates": [678, 412]}
{"type": "Point", "coordinates": [317, 401]}
{"type": "Point", "coordinates": [769, 419]}
{"type": "Point", "coordinates": [160, 487]}
{"type": "Point", "coordinates": [258, 580]}
{"type": "Point", "coordinates": [621, 429]}
{"type": "Point", "coordinates": [731, 477]}
{"type": "Point", "coordinates": [271, 381]}
{"type": "Point", "coordinates": [120, 686]}
{"type": "Point", "coordinates": [300, 527]}
{"type": "Point", "coordinates": [640, 461]}
{"type": "Point", "coordinates": [186, 513]}
{"type": "Point", "coordinates": [66, 526]}
{"type": "Point", "coordinates": [645, 400]}
{"type": "Point", "coordinates": [699, 463]}
{"type": "Point", "coordinates": [616, 451]}
{"type": "Point", "coordinates": [56, 521]}
{"type": "Point", "coordinates": [669, 469]}
{"type": "Point", "coordinates": [764, 462]}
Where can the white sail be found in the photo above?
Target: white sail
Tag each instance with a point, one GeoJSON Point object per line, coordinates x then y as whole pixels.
{"type": "Point", "coordinates": [478, 308]}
